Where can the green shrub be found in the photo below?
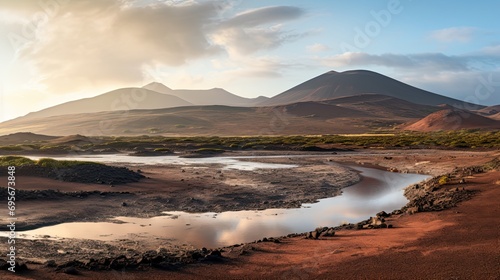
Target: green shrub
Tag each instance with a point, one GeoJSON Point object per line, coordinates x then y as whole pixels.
{"type": "Point", "coordinates": [162, 150]}
{"type": "Point", "coordinates": [209, 151]}
{"type": "Point", "coordinates": [15, 161]}
{"type": "Point", "coordinates": [52, 163]}
{"type": "Point", "coordinates": [443, 180]}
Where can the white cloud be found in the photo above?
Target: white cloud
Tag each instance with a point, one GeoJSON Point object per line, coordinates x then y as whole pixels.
{"type": "Point", "coordinates": [493, 50]}
{"type": "Point", "coordinates": [429, 61]}
{"type": "Point", "coordinates": [264, 15]}
{"type": "Point", "coordinates": [454, 34]}
{"type": "Point", "coordinates": [257, 29]}
{"type": "Point", "coordinates": [317, 48]}
{"type": "Point", "coordinates": [479, 87]}
{"type": "Point", "coordinates": [89, 44]}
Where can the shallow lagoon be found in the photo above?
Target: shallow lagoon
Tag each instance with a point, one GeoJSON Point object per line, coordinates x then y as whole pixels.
{"type": "Point", "coordinates": [378, 190]}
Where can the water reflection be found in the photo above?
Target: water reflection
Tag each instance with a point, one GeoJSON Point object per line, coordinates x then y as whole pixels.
{"type": "Point", "coordinates": [378, 190]}
{"type": "Point", "coordinates": [226, 162]}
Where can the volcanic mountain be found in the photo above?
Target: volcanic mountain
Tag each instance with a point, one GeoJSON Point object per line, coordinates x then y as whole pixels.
{"type": "Point", "coordinates": [452, 119]}
{"type": "Point", "coordinates": [348, 102]}
{"type": "Point", "coordinates": [351, 83]}
{"type": "Point", "coordinates": [116, 100]}
{"type": "Point", "coordinates": [215, 96]}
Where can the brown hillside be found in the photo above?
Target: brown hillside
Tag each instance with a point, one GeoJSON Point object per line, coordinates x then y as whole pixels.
{"type": "Point", "coordinates": [321, 110]}
{"type": "Point", "coordinates": [384, 106]}
{"type": "Point", "coordinates": [72, 140]}
{"type": "Point", "coordinates": [495, 116]}
{"type": "Point", "coordinates": [453, 119]}
{"type": "Point", "coordinates": [214, 96]}
{"type": "Point", "coordinates": [24, 137]}
{"type": "Point", "coordinates": [488, 111]}
{"type": "Point", "coordinates": [116, 100]}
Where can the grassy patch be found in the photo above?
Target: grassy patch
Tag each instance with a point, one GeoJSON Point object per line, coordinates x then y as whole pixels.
{"type": "Point", "coordinates": [52, 163]}
{"type": "Point", "coordinates": [15, 161]}
{"type": "Point", "coordinates": [163, 150]}
{"type": "Point", "coordinates": [209, 151]}
{"type": "Point", "coordinates": [43, 162]}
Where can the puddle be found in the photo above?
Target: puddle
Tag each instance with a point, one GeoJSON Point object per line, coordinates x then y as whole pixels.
{"type": "Point", "coordinates": [379, 190]}
{"type": "Point", "coordinates": [227, 162]}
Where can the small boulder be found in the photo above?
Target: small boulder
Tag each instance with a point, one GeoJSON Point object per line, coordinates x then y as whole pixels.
{"type": "Point", "coordinates": [412, 210]}
{"type": "Point", "coordinates": [71, 270]}
{"type": "Point", "coordinates": [382, 214]}
{"type": "Point", "coordinates": [312, 235]}
{"type": "Point", "coordinates": [328, 233]}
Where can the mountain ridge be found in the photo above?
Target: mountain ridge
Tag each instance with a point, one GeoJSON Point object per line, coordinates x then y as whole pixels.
{"type": "Point", "coordinates": [334, 84]}
{"type": "Point", "coordinates": [115, 100]}
{"type": "Point", "coordinates": [213, 96]}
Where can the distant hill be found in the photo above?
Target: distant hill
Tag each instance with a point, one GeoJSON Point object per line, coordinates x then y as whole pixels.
{"type": "Point", "coordinates": [24, 137]}
{"type": "Point", "coordinates": [215, 96]}
{"type": "Point", "coordinates": [120, 99]}
{"type": "Point", "coordinates": [495, 116]}
{"type": "Point", "coordinates": [321, 110]}
{"type": "Point", "coordinates": [72, 140]}
{"type": "Point", "coordinates": [452, 119]}
{"type": "Point", "coordinates": [384, 106]}
{"type": "Point", "coordinates": [490, 110]}
{"type": "Point", "coordinates": [351, 83]}
{"type": "Point", "coordinates": [343, 115]}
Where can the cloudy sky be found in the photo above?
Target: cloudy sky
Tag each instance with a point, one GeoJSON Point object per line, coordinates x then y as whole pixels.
{"type": "Point", "coordinates": [53, 51]}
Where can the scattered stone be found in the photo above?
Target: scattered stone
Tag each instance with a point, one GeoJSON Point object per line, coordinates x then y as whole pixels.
{"type": "Point", "coordinates": [412, 210]}
{"type": "Point", "coordinates": [382, 214]}
{"type": "Point", "coordinates": [71, 270]}
{"type": "Point", "coordinates": [328, 233]}
{"type": "Point", "coordinates": [50, 263]}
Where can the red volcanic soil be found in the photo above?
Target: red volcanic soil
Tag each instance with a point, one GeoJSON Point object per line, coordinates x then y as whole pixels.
{"type": "Point", "coordinates": [452, 119]}
{"type": "Point", "coordinates": [458, 243]}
